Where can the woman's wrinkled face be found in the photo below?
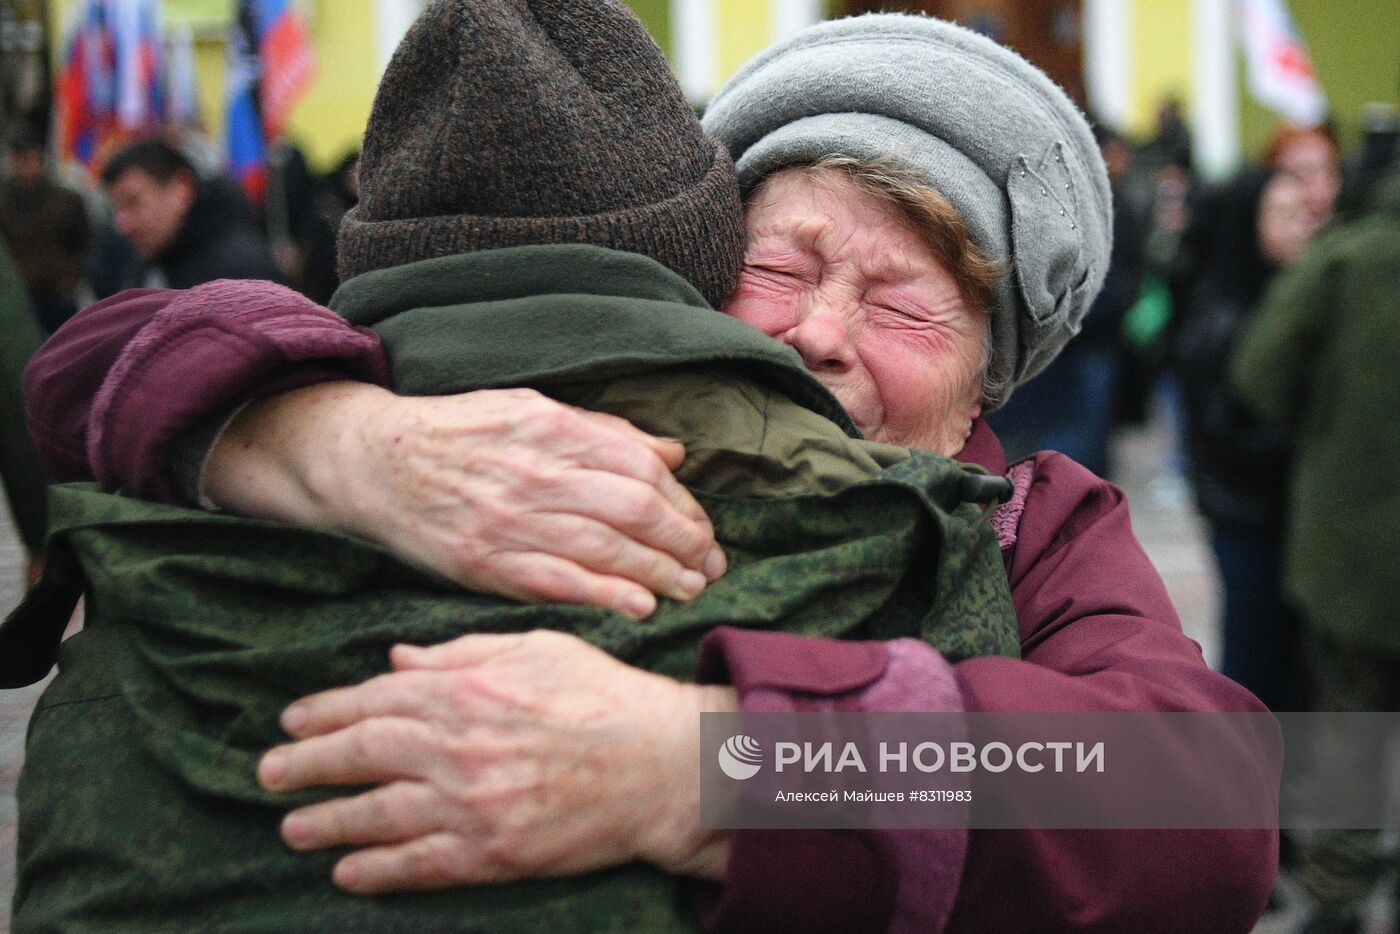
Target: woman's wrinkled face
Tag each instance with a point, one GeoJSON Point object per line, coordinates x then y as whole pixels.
{"type": "Point", "coordinates": [843, 278]}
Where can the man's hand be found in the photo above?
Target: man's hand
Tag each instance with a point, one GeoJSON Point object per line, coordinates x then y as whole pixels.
{"type": "Point", "coordinates": [501, 757]}
{"type": "Point", "coordinates": [502, 491]}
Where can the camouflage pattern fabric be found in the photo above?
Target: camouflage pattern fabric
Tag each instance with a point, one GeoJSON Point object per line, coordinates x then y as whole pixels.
{"type": "Point", "coordinates": [138, 805]}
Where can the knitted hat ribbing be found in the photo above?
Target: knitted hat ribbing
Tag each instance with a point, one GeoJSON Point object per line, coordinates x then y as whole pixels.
{"type": "Point", "coordinates": [513, 122]}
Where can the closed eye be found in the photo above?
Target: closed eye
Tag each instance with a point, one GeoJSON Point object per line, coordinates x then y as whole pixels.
{"type": "Point", "coordinates": [904, 313]}
{"type": "Point", "coordinates": [770, 270]}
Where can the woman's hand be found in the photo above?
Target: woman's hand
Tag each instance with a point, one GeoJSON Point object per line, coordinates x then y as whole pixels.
{"type": "Point", "coordinates": [501, 757]}
{"type": "Point", "coordinates": [502, 491]}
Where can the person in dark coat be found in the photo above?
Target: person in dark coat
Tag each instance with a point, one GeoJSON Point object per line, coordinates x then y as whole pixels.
{"type": "Point", "coordinates": [46, 228]}
{"type": "Point", "coordinates": [187, 230]}
{"type": "Point", "coordinates": [1319, 356]}
{"type": "Point", "coordinates": [335, 194]}
{"type": "Point", "coordinates": [21, 471]}
{"type": "Point", "coordinates": [1238, 465]}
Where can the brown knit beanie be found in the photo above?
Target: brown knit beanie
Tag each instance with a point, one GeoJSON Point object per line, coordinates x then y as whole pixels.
{"type": "Point", "coordinates": [513, 122]}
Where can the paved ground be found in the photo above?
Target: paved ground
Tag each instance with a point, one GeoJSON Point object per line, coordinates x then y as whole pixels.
{"type": "Point", "coordinates": [1162, 515]}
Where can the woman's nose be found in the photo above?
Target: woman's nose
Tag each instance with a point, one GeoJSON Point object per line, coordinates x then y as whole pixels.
{"type": "Point", "coordinates": [823, 337]}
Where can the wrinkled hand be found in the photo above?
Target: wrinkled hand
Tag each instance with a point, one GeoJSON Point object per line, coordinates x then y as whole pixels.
{"type": "Point", "coordinates": [501, 757]}
{"type": "Point", "coordinates": [502, 491]}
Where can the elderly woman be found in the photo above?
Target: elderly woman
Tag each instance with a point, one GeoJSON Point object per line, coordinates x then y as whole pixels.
{"type": "Point", "coordinates": [943, 256]}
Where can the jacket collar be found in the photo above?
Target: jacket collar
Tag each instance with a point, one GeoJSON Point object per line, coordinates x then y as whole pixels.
{"type": "Point", "coordinates": [535, 315]}
{"type": "Point", "coordinates": [983, 449]}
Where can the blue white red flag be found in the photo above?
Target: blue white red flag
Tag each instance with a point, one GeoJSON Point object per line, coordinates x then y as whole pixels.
{"type": "Point", "coordinates": [137, 46]}
{"type": "Point", "coordinates": [288, 62]}
{"type": "Point", "coordinates": [109, 81]}
{"type": "Point", "coordinates": [270, 66]}
{"type": "Point", "coordinates": [86, 80]}
{"type": "Point", "coordinates": [247, 149]}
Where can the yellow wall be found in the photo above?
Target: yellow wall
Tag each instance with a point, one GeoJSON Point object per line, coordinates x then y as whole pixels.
{"type": "Point", "coordinates": [745, 28]}
{"type": "Point", "coordinates": [330, 120]}
{"type": "Point", "coordinates": [1161, 59]}
{"type": "Point", "coordinates": [1355, 47]}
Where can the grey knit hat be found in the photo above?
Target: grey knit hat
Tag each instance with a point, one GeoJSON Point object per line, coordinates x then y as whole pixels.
{"type": "Point", "coordinates": [987, 129]}
{"type": "Point", "coordinates": [512, 122]}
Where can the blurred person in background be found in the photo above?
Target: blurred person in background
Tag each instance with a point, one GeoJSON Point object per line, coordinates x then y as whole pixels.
{"type": "Point", "coordinates": [1311, 155]}
{"type": "Point", "coordinates": [21, 470]}
{"type": "Point", "coordinates": [1071, 408]}
{"type": "Point", "coordinates": [1238, 467]}
{"type": "Point", "coordinates": [288, 212]}
{"type": "Point", "coordinates": [1172, 144]}
{"type": "Point", "coordinates": [1156, 188]}
{"type": "Point", "coordinates": [1373, 161]}
{"type": "Point", "coordinates": [187, 230]}
{"type": "Point", "coordinates": [46, 228]}
{"type": "Point", "coordinates": [1319, 360]}
{"type": "Point", "coordinates": [334, 195]}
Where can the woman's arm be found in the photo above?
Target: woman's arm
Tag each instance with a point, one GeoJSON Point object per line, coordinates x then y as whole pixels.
{"type": "Point", "coordinates": [113, 389]}
{"type": "Point", "coordinates": [1098, 633]}
{"type": "Point", "coordinates": [501, 757]}
{"type": "Point", "coordinates": [502, 491]}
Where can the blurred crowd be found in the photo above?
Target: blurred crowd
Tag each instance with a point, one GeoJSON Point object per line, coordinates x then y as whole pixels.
{"type": "Point", "coordinates": [1263, 313]}
{"type": "Point", "coordinates": [162, 214]}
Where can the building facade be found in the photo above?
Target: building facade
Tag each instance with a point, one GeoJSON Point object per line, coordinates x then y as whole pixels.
{"type": "Point", "coordinates": [1121, 58]}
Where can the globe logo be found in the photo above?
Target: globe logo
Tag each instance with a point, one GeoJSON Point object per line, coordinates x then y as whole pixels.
{"type": "Point", "coordinates": [740, 757]}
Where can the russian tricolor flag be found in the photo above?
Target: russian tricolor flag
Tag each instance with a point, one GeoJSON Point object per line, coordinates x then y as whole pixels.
{"type": "Point", "coordinates": [270, 65]}
{"type": "Point", "coordinates": [109, 84]}
{"type": "Point", "coordinates": [86, 83]}
{"type": "Point", "coordinates": [140, 100]}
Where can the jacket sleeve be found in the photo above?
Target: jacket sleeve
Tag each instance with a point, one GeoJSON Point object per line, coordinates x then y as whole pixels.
{"type": "Point", "coordinates": [1273, 360]}
{"type": "Point", "coordinates": [113, 389]}
{"type": "Point", "coordinates": [834, 880]}
{"type": "Point", "coordinates": [1098, 633]}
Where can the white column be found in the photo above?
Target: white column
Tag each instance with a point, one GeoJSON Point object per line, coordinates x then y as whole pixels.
{"type": "Point", "coordinates": [391, 20]}
{"type": "Point", "coordinates": [1215, 97]}
{"type": "Point", "coordinates": [790, 16]}
{"type": "Point", "coordinates": [1108, 73]}
{"type": "Point", "coordinates": [695, 37]}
